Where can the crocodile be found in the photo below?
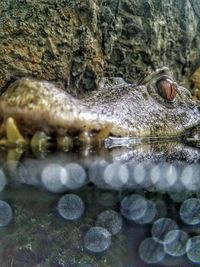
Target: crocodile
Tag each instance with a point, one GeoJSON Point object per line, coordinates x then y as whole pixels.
{"type": "Point", "coordinates": [37, 113]}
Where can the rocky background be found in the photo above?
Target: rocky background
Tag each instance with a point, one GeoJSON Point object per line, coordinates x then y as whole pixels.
{"type": "Point", "coordinates": [75, 42]}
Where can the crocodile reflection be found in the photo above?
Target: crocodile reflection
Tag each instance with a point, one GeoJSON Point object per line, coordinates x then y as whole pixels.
{"type": "Point", "coordinates": [156, 167]}
{"type": "Point", "coordinates": [37, 113]}
{"type": "Point", "coordinates": [118, 197]}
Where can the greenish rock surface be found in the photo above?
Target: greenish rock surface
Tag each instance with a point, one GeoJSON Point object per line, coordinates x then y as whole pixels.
{"type": "Point", "coordinates": [75, 42]}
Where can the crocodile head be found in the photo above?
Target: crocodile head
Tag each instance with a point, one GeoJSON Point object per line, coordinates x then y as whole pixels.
{"type": "Point", "coordinates": [33, 111]}
{"type": "Point", "coordinates": [158, 107]}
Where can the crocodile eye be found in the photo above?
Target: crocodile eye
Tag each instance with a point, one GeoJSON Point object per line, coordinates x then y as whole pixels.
{"type": "Point", "coordinates": [167, 89]}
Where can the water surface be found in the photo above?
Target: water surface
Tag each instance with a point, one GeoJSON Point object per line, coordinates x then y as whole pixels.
{"type": "Point", "coordinates": [125, 207]}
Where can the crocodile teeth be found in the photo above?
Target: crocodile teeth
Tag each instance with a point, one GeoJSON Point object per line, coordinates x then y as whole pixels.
{"type": "Point", "coordinates": [85, 138]}
{"type": "Point", "coordinates": [12, 132]}
{"type": "Point", "coordinates": [65, 142]}
{"type": "Point", "coordinates": [103, 134]}
{"type": "Point", "coordinates": [94, 138]}
{"type": "Point", "coordinates": [40, 141]}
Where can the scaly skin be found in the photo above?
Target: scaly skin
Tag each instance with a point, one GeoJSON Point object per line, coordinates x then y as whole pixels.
{"type": "Point", "coordinates": [116, 109]}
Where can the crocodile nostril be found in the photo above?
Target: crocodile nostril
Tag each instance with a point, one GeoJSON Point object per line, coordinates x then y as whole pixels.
{"type": "Point", "coordinates": [167, 89]}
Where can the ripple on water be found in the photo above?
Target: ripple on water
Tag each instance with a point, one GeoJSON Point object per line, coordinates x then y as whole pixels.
{"type": "Point", "coordinates": [190, 177]}
{"type": "Point", "coordinates": [52, 176]}
{"type": "Point", "coordinates": [161, 227]}
{"type": "Point", "coordinates": [6, 213]}
{"type": "Point", "coordinates": [71, 207]}
{"type": "Point", "coordinates": [116, 175]}
{"type": "Point", "coordinates": [29, 172]}
{"type": "Point", "coordinates": [163, 176]}
{"type": "Point", "coordinates": [150, 251]}
{"type": "Point", "coordinates": [141, 174]}
{"type": "Point", "coordinates": [190, 211]}
{"type": "Point", "coordinates": [133, 207]}
{"type": "Point", "coordinates": [75, 178]}
{"type": "Point", "coordinates": [97, 239]}
{"type": "Point", "coordinates": [96, 173]}
{"type": "Point", "coordinates": [150, 213]}
{"type": "Point", "coordinates": [175, 242]}
{"type": "Point", "coordinates": [110, 220]}
{"type": "Point", "coordinates": [193, 249]}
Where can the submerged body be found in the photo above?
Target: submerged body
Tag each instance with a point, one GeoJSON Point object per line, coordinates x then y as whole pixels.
{"type": "Point", "coordinates": [116, 109]}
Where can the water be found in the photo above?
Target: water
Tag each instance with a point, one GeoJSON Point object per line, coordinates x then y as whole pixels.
{"type": "Point", "coordinates": [150, 251]}
{"type": "Point", "coordinates": [71, 207]}
{"type": "Point", "coordinates": [6, 213]}
{"type": "Point", "coordinates": [110, 220]}
{"type": "Point", "coordinates": [190, 211]}
{"type": "Point", "coordinates": [120, 207]}
{"type": "Point", "coordinates": [162, 227]}
{"type": "Point", "coordinates": [97, 239]}
{"type": "Point", "coordinates": [133, 207]}
{"type": "Point", "coordinates": [175, 243]}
